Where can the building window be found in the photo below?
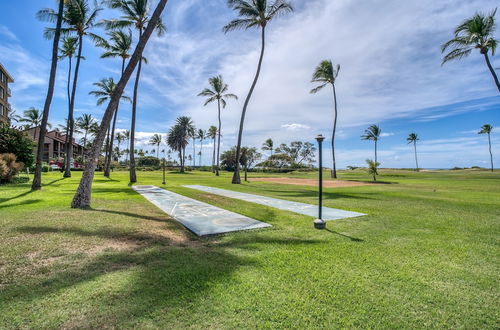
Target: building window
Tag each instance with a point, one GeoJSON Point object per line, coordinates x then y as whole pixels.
{"type": "Point", "coordinates": [2, 109]}
{"type": "Point", "coordinates": [2, 93]}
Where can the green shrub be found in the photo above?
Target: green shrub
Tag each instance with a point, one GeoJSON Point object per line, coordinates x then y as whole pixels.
{"type": "Point", "coordinates": [46, 168]}
{"type": "Point", "coordinates": [148, 161]}
{"type": "Point", "coordinates": [18, 143]}
{"type": "Point", "coordinates": [9, 167]}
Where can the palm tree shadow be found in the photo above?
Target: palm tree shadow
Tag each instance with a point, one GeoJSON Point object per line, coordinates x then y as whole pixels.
{"type": "Point", "coordinates": [354, 239]}
{"type": "Point", "coordinates": [26, 193]}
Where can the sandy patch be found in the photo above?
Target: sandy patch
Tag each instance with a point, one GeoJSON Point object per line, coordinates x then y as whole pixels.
{"type": "Point", "coordinates": [311, 182]}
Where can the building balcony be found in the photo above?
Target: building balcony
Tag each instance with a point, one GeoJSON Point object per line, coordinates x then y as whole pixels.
{"type": "Point", "coordinates": [9, 92]}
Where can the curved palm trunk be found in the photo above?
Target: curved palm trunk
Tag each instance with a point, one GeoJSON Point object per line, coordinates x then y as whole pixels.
{"type": "Point", "coordinates": [69, 148]}
{"type": "Point", "coordinates": [491, 155]}
{"type": "Point", "coordinates": [493, 73]}
{"type": "Point", "coordinates": [416, 159]}
{"type": "Point", "coordinates": [236, 175]}
{"type": "Point", "coordinates": [375, 151]}
{"type": "Point", "coordinates": [334, 170]}
{"type": "Point", "coordinates": [213, 157]}
{"type": "Point", "coordinates": [83, 193]}
{"type": "Point", "coordinates": [37, 180]}
{"type": "Point", "coordinates": [217, 170]}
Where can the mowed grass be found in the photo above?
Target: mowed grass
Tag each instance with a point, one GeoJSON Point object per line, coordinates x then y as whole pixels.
{"type": "Point", "coordinates": [426, 255]}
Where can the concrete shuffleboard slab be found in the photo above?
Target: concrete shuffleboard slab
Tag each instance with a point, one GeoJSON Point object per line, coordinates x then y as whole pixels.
{"type": "Point", "coordinates": [200, 218]}
{"type": "Point", "coordinates": [301, 208]}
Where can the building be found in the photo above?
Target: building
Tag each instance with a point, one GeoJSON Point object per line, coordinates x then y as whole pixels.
{"type": "Point", "coordinates": [5, 80]}
{"type": "Point", "coordinates": [53, 148]}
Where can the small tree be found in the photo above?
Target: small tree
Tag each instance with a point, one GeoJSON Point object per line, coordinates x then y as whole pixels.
{"type": "Point", "coordinates": [486, 129]}
{"type": "Point", "coordinates": [9, 167]}
{"type": "Point", "coordinates": [373, 168]}
{"type": "Point", "coordinates": [17, 143]}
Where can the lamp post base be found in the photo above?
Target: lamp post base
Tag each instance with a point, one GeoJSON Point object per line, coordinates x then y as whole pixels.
{"type": "Point", "coordinates": [319, 224]}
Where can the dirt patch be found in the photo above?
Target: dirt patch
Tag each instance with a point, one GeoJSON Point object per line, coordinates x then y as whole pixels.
{"type": "Point", "coordinates": [313, 183]}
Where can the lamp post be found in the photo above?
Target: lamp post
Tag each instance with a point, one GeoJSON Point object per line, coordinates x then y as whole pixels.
{"type": "Point", "coordinates": [163, 170]}
{"type": "Point", "coordinates": [320, 223]}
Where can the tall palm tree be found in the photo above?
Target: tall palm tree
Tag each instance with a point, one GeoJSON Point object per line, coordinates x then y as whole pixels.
{"type": "Point", "coordinates": [68, 50]}
{"type": "Point", "coordinates": [126, 135]}
{"type": "Point", "coordinates": [474, 33]}
{"type": "Point", "coordinates": [58, 18]}
{"type": "Point", "coordinates": [177, 140]}
{"type": "Point", "coordinates": [33, 119]}
{"type": "Point", "coordinates": [192, 134]}
{"type": "Point", "coordinates": [118, 46]}
{"type": "Point", "coordinates": [106, 88]}
{"type": "Point", "coordinates": [372, 133]}
{"type": "Point", "coordinates": [85, 122]}
{"type": "Point", "coordinates": [135, 14]}
{"type": "Point", "coordinates": [326, 74]}
{"type": "Point", "coordinates": [253, 14]}
{"type": "Point", "coordinates": [79, 18]}
{"type": "Point", "coordinates": [413, 138]}
{"type": "Point", "coordinates": [156, 141]}
{"type": "Point", "coordinates": [217, 92]}
{"type": "Point", "coordinates": [201, 135]}
{"type": "Point", "coordinates": [487, 129]}
{"type": "Point", "coordinates": [212, 134]}
{"type": "Point", "coordinates": [119, 140]}
{"type": "Point", "coordinates": [186, 131]}
{"type": "Point", "coordinates": [268, 145]}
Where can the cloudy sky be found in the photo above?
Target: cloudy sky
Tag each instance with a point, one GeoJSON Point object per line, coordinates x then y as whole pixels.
{"type": "Point", "coordinates": [391, 75]}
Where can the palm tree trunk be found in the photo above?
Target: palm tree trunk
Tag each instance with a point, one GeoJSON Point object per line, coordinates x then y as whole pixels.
{"type": "Point", "coordinates": [491, 155]}
{"type": "Point", "coordinates": [194, 151]}
{"type": "Point", "coordinates": [236, 175]}
{"type": "Point", "coordinates": [375, 151]}
{"type": "Point", "coordinates": [213, 157]}
{"type": "Point", "coordinates": [83, 193]}
{"type": "Point", "coordinates": [201, 150]}
{"type": "Point", "coordinates": [37, 180]}
{"type": "Point", "coordinates": [217, 173]}
{"type": "Point", "coordinates": [416, 159]}
{"type": "Point", "coordinates": [69, 153]}
{"type": "Point", "coordinates": [493, 73]}
{"type": "Point", "coordinates": [158, 151]}
{"type": "Point", "coordinates": [334, 169]}
{"type": "Point", "coordinates": [84, 145]}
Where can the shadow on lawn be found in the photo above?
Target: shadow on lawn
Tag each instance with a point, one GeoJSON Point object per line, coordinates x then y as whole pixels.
{"type": "Point", "coordinates": [26, 193]}
{"type": "Point", "coordinates": [25, 202]}
{"type": "Point", "coordinates": [158, 277]}
{"type": "Point", "coordinates": [354, 239]}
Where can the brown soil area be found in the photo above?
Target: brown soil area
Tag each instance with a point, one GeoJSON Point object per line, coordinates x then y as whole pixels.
{"type": "Point", "coordinates": [311, 182]}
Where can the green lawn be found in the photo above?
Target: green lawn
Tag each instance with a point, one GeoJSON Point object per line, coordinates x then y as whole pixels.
{"type": "Point", "coordinates": [427, 255]}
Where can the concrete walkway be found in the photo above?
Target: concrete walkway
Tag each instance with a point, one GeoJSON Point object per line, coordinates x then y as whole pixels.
{"type": "Point", "coordinates": [200, 218]}
{"type": "Point", "coordinates": [302, 208]}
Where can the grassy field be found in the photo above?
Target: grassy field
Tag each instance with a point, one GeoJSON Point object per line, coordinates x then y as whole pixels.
{"type": "Point", "coordinates": [426, 255]}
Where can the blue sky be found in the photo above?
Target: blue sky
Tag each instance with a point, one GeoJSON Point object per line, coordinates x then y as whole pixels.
{"type": "Point", "coordinates": [391, 75]}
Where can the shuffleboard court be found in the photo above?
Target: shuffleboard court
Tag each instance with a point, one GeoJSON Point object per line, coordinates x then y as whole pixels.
{"type": "Point", "coordinates": [200, 218]}
{"type": "Point", "coordinates": [301, 208]}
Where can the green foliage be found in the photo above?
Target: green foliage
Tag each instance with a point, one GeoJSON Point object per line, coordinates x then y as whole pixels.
{"type": "Point", "coordinates": [17, 143]}
{"type": "Point", "coordinates": [148, 161]}
{"type": "Point", "coordinates": [9, 167]}
{"type": "Point", "coordinates": [373, 168]}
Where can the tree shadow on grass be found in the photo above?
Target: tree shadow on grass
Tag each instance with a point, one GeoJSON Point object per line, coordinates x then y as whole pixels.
{"type": "Point", "coordinates": [26, 193]}
{"type": "Point", "coordinates": [149, 280]}
{"type": "Point", "coordinates": [354, 239]}
{"type": "Point", "coordinates": [25, 202]}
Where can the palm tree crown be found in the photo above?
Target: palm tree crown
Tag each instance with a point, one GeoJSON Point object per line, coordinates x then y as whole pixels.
{"type": "Point", "coordinates": [32, 117]}
{"type": "Point", "coordinates": [68, 48]}
{"type": "Point", "coordinates": [486, 129]}
{"type": "Point", "coordinates": [118, 46]}
{"type": "Point", "coordinates": [106, 89]}
{"type": "Point", "coordinates": [135, 13]}
{"type": "Point", "coordinates": [325, 74]}
{"type": "Point", "coordinates": [412, 138]}
{"type": "Point", "coordinates": [372, 133]}
{"type": "Point", "coordinates": [217, 92]}
{"type": "Point", "coordinates": [256, 13]}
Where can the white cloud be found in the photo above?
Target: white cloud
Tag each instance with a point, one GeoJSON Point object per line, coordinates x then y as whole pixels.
{"type": "Point", "coordinates": [295, 127]}
{"type": "Point", "coordinates": [386, 134]}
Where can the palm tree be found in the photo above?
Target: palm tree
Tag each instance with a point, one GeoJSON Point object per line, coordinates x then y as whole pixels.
{"type": "Point", "coordinates": [33, 119]}
{"type": "Point", "coordinates": [474, 33]}
{"type": "Point", "coordinates": [192, 134]}
{"type": "Point", "coordinates": [268, 145]}
{"type": "Point", "coordinates": [187, 130]}
{"type": "Point", "coordinates": [413, 138]}
{"type": "Point", "coordinates": [68, 50]}
{"type": "Point", "coordinates": [177, 140]}
{"type": "Point", "coordinates": [119, 46]}
{"type": "Point", "coordinates": [119, 140]}
{"type": "Point", "coordinates": [486, 129]}
{"type": "Point", "coordinates": [201, 135]}
{"type": "Point", "coordinates": [372, 133]}
{"type": "Point", "coordinates": [85, 122]}
{"type": "Point", "coordinates": [326, 74]}
{"type": "Point", "coordinates": [136, 14]}
{"type": "Point", "coordinates": [255, 13]}
{"type": "Point", "coordinates": [373, 168]}
{"type": "Point", "coordinates": [37, 179]}
{"type": "Point", "coordinates": [106, 88]}
{"type": "Point", "coordinates": [156, 141]}
{"type": "Point", "coordinates": [78, 18]}
{"type": "Point", "coordinates": [126, 135]}
{"type": "Point", "coordinates": [217, 92]}
{"type": "Point", "coordinates": [212, 134]}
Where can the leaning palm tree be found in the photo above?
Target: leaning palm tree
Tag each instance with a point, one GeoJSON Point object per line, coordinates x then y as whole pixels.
{"type": "Point", "coordinates": [373, 168]}
{"type": "Point", "coordinates": [217, 92]}
{"type": "Point", "coordinates": [79, 18]}
{"type": "Point", "coordinates": [487, 129]}
{"type": "Point", "coordinates": [268, 145]}
{"type": "Point", "coordinates": [326, 74]}
{"type": "Point", "coordinates": [255, 13]}
{"type": "Point", "coordinates": [106, 88]}
{"type": "Point", "coordinates": [85, 122]}
{"type": "Point", "coordinates": [372, 133]}
{"type": "Point", "coordinates": [212, 134]}
{"type": "Point", "coordinates": [413, 138]}
{"type": "Point", "coordinates": [118, 46]}
{"type": "Point", "coordinates": [156, 141]}
{"type": "Point", "coordinates": [474, 33]}
{"type": "Point", "coordinates": [201, 135]}
{"type": "Point", "coordinates": [33, 119]}
{"type": "Point", "coordinates": [58, 18]}
{"type": "Point", "coordinates": [135, 14]}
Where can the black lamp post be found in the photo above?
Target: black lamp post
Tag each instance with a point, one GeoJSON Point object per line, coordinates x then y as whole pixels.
{"type": "Point", "coordinates": [163, 170]}
{"type": "Point", "coordinates": [320, 223]}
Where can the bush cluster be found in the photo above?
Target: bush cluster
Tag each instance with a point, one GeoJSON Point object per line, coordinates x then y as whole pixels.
{"type": "Point", "coordinates": [18, 143]}
{"type": "Point", "coordinates": [9, 167]}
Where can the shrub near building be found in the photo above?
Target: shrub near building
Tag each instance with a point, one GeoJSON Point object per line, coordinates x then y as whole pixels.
{"type": "Point", "coordinates": [18, 143]}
